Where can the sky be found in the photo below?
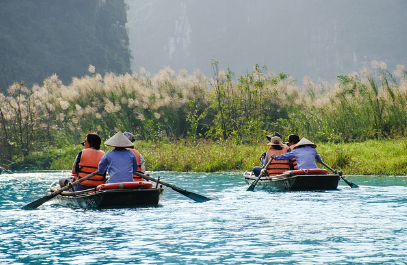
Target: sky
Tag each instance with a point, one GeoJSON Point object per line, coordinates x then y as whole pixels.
{"type": "Point", "coordinates": [315, 38]}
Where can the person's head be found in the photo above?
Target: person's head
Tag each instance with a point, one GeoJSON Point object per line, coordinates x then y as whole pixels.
{"type": "Point", "coordinates": [276, 134]}
{"type": "Point", "coordinates": [130, 136]}
{"type": "Point", "coordinates": [276, 142]}
{"type": "Point", "coordinates": [119, 141]}
{"type": "Point", "coordinates": [305, 142]}
{"type": "Point", "coordinates": [92, 140]}
{"type": "Point", "coordinates": [293, 139]}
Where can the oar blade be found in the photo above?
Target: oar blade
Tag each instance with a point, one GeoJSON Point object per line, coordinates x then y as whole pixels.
{"type": "Point", "coordinates": [251, 187]}
{"type": "Point", "coordinates": [354, 186]}
{"type": "Point", "coordinates": [192, 195]}
{"type": "Point", "coordinates": [350, 183]}
{"type": "Point", "coordinates": [254, 183]}
{"type": "Point", "coordinates": [197, 197]}
{"type": "Point", "coordinates": [35, 204]}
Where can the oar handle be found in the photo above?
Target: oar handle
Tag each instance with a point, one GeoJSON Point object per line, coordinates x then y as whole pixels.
{"type": "Point", "coordinates": [350, 183]}
{"type": "Point", "coordinates": [251, 187]}
{"type": "Point", "coordinates": [40, 201]}
{"type": "Point", "coordinates": [194, 196]}
{"type": "Point", "coordinates": [333, 170]}
{"type": "Point", "coordinates": [268, 163]}
{"type": "Point", "coordinates": [75, 182]}
{"type": "Point", "coordinates": [162, 182]}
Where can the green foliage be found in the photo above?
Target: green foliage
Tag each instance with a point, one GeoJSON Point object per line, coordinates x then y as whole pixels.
{"type": "Point", "coordinates": [51, 158]}
{"type": "Point", "coordinates": [195, 115]}
{"type": "Point", "coordinates": [372, 157]}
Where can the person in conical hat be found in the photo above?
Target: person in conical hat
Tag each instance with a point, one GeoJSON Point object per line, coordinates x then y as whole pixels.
{"type": "Point", "coordinates": [119, 140]}
{"type": "Point", "coordinates": [305, 154]}
{"type": "Point", "coordinates": [305, 142]}
{"type": "Point", "coordinates": [120, 162]}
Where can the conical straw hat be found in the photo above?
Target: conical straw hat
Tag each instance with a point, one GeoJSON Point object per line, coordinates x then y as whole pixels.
{"type": "Point", "coordinates": [119, 140]}
{"type": "Point", "coordinates": [304, 142]}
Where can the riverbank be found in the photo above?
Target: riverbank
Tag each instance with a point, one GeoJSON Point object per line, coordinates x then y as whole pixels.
{"type": "Point", "coordinates": [373, 157]}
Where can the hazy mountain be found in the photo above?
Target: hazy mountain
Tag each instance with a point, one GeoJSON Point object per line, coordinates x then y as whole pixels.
{"type": "Point", "coordinates": [43, 37]}
{"type": "Point", "coordinates": [317, 38]}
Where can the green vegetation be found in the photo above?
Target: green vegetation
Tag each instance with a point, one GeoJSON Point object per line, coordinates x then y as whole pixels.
{"type": "Point", "coordinates": [372, 157]}
{"type": "Point", "coordinates": [195, 123]}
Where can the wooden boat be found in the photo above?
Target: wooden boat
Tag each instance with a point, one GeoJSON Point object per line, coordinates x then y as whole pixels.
{"type": "Point", "coordinates": [114, 195]}
{"type": "Point", "coordinates": [296, 180]}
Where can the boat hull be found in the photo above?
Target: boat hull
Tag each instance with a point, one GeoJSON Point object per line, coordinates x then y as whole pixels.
{"type": "Point", "coordinates": [115, 198]}
{"type": "Point", "coordinates": [287, 182]}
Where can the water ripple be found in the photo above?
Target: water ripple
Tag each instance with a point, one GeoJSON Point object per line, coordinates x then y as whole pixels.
{"type": "Point", "coordinates": [347, 226]}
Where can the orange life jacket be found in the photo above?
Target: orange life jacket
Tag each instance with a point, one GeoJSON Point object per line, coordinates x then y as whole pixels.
{"type": "Point", "coordinates": [277, 166]}
{"type": "Point", "coordinates": [293, 161]}
{"type": "Point", "coordinates": [89, 162]}
{"type": "Point", "coordinates": [137, 154]}
{"type": "Point", "coordinates": [293, 164]}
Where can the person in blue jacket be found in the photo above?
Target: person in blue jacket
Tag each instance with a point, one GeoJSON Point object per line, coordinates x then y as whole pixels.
{"type": "Point", "coordinates": [121, 163]}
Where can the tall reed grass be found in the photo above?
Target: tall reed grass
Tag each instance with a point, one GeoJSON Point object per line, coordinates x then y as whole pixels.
{"type": "Point", "coordinates": [169, 107]}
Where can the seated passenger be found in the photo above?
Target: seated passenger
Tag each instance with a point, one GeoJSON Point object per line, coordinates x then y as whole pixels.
{"type": "Point", "coordinates": [142, 163]}
{"type": "Point", "coordinates": [293, 139]}
{"type": "Point", "coordinates": [263, 155]}
{"type": "Point", "coordinates": [272, 135]}
{"type": "Point", "coordinates": [275, 167]}
{"type": "Point", "coordinates": [305, 154]}
{"type": "Point", "coordinates": [87, 162]}
{"type": "Point", "coordinates": [120, 162]}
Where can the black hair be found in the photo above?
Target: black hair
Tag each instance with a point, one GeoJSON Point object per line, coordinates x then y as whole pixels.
{"type": "Point", "coordinates": [277, 134]}
{"type": "Point", "coordinates": [94, 140]}
{"type": "Point", "coordinates": [277, 147]}
{"type": "Point", "coordinates": [293, 138]}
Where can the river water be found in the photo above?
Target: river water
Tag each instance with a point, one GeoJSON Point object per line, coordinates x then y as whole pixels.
{"type": "Point", "coordinates": [347, 226]}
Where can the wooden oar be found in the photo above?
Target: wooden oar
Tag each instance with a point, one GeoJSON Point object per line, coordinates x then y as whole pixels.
{"type": "Point", "coordinates": [254, 183]}
{"type": "Point", "coordinates": [350, 183]}
{"type": "Point", "coordinates": [191, 195]}
{"type": "Point", "coordinates": [39, 202]}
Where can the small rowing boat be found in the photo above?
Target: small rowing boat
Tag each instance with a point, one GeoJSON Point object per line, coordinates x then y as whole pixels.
{"type": "Point", "coordinates": [113, 195]}
{"type": "Point", "coordinates": [296, 180]}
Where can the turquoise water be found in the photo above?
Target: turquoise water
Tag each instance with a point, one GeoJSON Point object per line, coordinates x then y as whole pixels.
{"type": "Point", "coordinates": [348, 226]}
